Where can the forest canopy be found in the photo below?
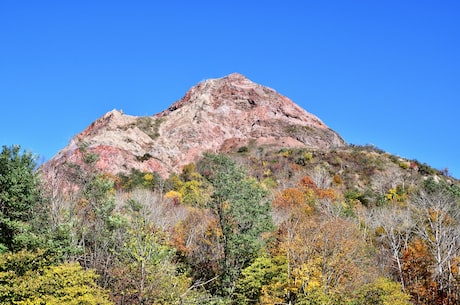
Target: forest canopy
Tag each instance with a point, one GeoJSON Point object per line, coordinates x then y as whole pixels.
{"type": "Point", "coordinates": [257, 226]}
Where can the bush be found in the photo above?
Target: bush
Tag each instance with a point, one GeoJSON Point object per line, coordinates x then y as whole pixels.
{"type": "Point", "coordinates": [149, 126]}
{"type": "Point", "coordinates": [243, 149]}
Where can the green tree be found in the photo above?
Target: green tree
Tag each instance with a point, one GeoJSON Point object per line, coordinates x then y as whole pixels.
{"type": "Point", "coordinates": [243, 214]}
{"type": "Point", "coordinates": [18, 194]}
{"type": "Point", "coordinates": [145, 257]}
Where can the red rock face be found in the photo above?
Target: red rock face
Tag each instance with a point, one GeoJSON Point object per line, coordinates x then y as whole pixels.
{"type": "Point", "coordinates": [216, 115]}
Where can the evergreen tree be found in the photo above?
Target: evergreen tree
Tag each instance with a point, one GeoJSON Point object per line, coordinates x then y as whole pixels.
{"type": "Point", "coordinates": [243, 214]}
{"type": "Point", "coordinates": [18, 194]}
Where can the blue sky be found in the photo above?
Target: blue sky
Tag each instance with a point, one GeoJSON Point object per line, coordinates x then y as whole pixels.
{"type": "Point", "coordinates": [385, 73]}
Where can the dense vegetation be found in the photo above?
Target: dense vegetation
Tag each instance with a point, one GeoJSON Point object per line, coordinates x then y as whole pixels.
{"type": "Point", "coordinates": [259, 226]}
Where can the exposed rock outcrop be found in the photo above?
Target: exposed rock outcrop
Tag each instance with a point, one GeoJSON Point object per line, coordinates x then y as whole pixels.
{"type": "Point", "coordinates": [216, 115]}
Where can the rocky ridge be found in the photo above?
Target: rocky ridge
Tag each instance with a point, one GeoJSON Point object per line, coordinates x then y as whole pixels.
{"type": "Point", "coordinates": [217, 115]}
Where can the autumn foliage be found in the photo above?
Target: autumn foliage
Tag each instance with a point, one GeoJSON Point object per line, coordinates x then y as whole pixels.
{"type": "Point", "coordinates": [287, 227]}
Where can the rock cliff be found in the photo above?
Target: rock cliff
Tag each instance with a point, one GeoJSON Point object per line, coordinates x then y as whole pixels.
{"type": "Point", "coordinates": [217, 115]}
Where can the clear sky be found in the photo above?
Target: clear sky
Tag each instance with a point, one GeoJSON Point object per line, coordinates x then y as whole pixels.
{"type": "Point", "coordinates": [385, 73]}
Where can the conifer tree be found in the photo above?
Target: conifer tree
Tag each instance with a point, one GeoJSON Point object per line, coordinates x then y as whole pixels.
{"type": "Point", "coordinates": [18, 194]}
{"type": "Point", "coordinates": [243, 214]}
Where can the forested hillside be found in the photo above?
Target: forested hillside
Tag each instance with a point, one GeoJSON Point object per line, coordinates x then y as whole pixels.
{"type": "Point", "coordinates": [260, 225]}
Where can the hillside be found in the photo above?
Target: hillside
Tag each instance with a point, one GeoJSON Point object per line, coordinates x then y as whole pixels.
{"type": "Point", "coordinates": [261, 128]}
{"type": "Point", "coordinates": [233, 195]}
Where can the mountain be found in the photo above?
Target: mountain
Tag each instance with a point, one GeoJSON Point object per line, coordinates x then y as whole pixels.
{"type": "Point", "coordinates": [287, 201]}
{"type": "Point", "coordinates": [216, 115]}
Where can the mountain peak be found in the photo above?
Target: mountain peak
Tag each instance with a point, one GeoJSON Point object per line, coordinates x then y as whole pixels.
{"type": "Point", "coordinates": [231, 83]}
{"type": "Point", "coordinates": [216, 115]}
{"type": "Point", "coordinates": [235, 75]}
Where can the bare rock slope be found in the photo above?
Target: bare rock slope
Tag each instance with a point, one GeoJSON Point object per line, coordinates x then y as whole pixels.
{"type": "Point", "coordinates": [217, 115]}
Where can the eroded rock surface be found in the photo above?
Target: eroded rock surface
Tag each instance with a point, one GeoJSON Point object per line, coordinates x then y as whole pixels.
{"type": "Point", "coordinates": [216, 115]}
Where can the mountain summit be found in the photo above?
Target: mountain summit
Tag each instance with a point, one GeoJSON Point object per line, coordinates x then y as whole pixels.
{"type": "Point", "coordinates": [216, 115]}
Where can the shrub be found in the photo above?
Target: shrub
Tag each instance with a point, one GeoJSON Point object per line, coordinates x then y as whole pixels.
{"type": "Point", "coordinates": [337, 179]}
{"type": "Point", "coordinates": [243, 149]}
{"type": "Point", "coordinates": [149, 126]}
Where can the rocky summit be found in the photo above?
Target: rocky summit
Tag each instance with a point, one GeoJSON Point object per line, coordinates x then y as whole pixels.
{"type": "Point", "coordinates": [216, 115]}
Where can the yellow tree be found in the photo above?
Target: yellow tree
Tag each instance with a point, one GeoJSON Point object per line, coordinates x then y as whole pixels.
{"type": "Point", "coordinates": [325, 255]}
{"type": "Point", "coordinates": [382, 291]}
{"type": "Point", "coordinates": [28, 278]}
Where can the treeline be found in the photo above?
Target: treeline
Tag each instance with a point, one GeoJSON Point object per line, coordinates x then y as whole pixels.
{"type": "Point", "coordinates": [226, 231]}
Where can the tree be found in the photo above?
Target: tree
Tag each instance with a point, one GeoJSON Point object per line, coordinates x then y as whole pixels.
{"type": "Point", "coordinates": [439, 228]}
{"type": "Point", "coordinates": [197, 240]}
{"type": "Point", "coordinates": [381, 292]}
{"type": "Point", "coordinates": [243, 214]}
{"type": "Point", "coordinates": [393, 227]}
{"type": "Point", "coordinates": [156, 208]}
{"type": "Point", "coordinates": [145, 272]}
{"type": "Point", "coordinates": [55, 218]}
{"type": "Point", "coordinates": [29, 278]}
{"type": "Point", "coordinates": [326, 257]}
{"type": "Point", "coordinates": [97, 227]}
{"type": "Point", "coordinates": [18, 194]}
{"type": "Point", "coordinates": [417, 272]}
{"type": "Point", "coordinates": [99, 224]}
{"type": "Point", "coordinates": [147, 262]}
{"type": "Point", "coordinates": [262, 281]}
{"type": "Point", "coordinates": [190, 187]}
